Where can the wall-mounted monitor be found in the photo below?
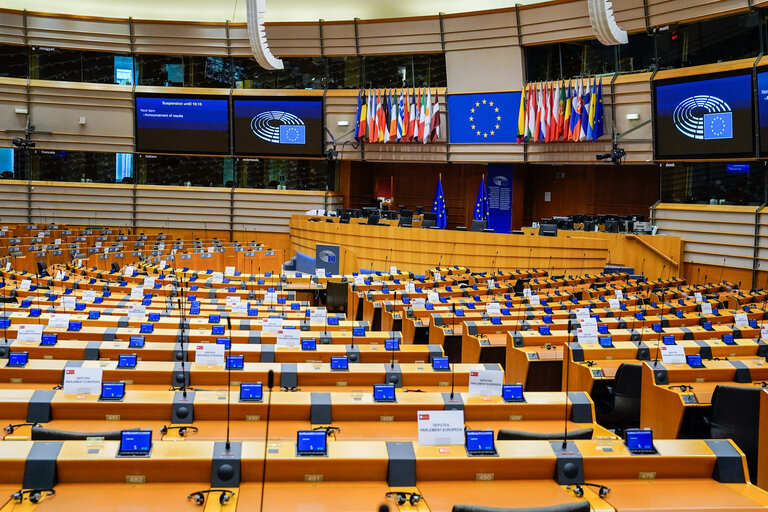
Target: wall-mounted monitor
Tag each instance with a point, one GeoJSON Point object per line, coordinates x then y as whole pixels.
{"type": "Point", "coordinates": [704, 116]}
{"type": "Point", "coordinates": [762, 108]}
{"type": "Point", "coordinates": [285, 126]}
{"type": "Point", "coordinates": [171, 123]}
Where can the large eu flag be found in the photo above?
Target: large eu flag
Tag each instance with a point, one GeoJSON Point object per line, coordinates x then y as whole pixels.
{"type": "Point", "coordinates": [438, 206]}
{"type": "Point", "coordinates": [481, 203]}
{"type": "Point", "coordinates": [481, 118]}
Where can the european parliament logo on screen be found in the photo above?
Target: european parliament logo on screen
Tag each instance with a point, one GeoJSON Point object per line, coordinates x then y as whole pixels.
{"type": "Point", "coordinates": [282, 126]}
{"type": "Point", "coordinates": [704, 116]}
{"type": "Point", "coordinates": [483, 118]}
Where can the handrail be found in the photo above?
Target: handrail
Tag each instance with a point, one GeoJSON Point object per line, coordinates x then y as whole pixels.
{"type": "Point", "coordinates": [654, 250]}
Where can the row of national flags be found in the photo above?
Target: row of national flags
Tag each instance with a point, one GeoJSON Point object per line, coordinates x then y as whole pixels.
{"type": "Point", "coordinates": [384, 116]}
{"type": "Point", "coordinates": [556, 112]}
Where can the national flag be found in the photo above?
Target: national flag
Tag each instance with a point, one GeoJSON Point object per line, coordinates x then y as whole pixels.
{"type": "Point", "coordinates": [435, 124]}
{"type": "Point", "coordinates": [560, 111]}
{"type": "Point", "coordinates": [481, 204]}
{"type": "Point", "coordinates": [381, 116]}
{"type": "Point", "coordinates": [592, 110]}
{"type": "Point", "coordinates": [521, 118]}
{"type": "Point", "coordinates": [393, 115]}
{"type": "Point", "coordinates": [578, 105]}
{"type": "Point", "coordinates": [406, 116]}
{"type": "Point", "coordinates": [568, 107]}
{"type": "Point", "coordinates": [422, 115]}
{"type": "Point", "coordinates": [385, 107]}
{"type": "Point", "coordinates": [483, 117]}
{"type": "Point", "coordinates": [371, 116]}
{"type": "Point", "coordinates": [413, 116]}
{"type": "Point", "coordinates": [400, 112]}
{"type": "Point", "coordinates": [598, 130]}
{"type": "Point", "coordinates": [545, 115]}
{"type": "Point", "coordinates": [427, 117]}
{"type": "Point", "coordinates": [585, 114]}
{"type": "Point", "coordinates": [531, 113]}
{"type": "Point", "coordinates": [438, 206]}
{"type": "Point", "coordinates": [357, 114]}
{"type": "Point", "coordinates": [537, 133]}
{"type": "Point", "coordinates": [362, 123]}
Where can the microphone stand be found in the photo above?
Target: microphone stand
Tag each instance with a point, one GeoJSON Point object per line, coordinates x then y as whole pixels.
{"type": "Point", "coordinates": [270, 383]}
{"type": "Point", "coordinates": [229, 379]}
{"type": "Point", "coordinates": [567, 377]}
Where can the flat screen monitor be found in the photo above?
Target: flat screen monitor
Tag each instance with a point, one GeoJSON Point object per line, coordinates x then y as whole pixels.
{"type": "Point", "coordinates": [235, 362]}
{"type": "Point", "coordinates": [639, 441]}
{"type": "Point", "coordinates": [704, 116]}
{"type": "Point", "coordinates": [392, 344]}
{"type": "Point", "coordinates": [441, 364]}
{"type": "Point", "coordinates": [135, 443]}
{"type": "Point", "coordinates": [383, 392]}
{"type": "Point", "coordinates": [112, 391]}
{"type": "Point", "coordinates": [251, 392]}
{"type": "Point", "coordinates": [136, 342]}
{"type": "Point", "coordinates": [694, 361]}
{"type": "Point", "coordinates": [311, 443]}
{"type": "Point", "coordinates": [606, 341]}
{"type": "Point", "coordinates": [49, 339]}
{"type": "Point", "coordinates": [175, 123]}
{"type": "Point", "coordinates": [668, 339]}
{"type": "Point", "coordinates": [17, 359]}
{"type": "Point", "coordinates": [340, 363]}
{"type": "Point", "coordinates": [126, 361]}
{"type": "Point", "coordinates": [480, 443]}
{"type": "Point", "coordinates": [290, 126]}
{"type": "Point", "coordinates": [512, 393]}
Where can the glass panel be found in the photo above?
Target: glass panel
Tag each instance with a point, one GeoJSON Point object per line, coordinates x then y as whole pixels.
{"type": "Point", "coordinates": [307, 73]}
{"type": "Point", "coordinates": [249, 75]}
{"type": "Point", "coordinates": [390, 71]}
{"type": "Point", "coordinates": [293, 174]}
{"type": "Point", "coordinates": [73, 166]}
{"type": "Point", "coordinates": [13, 61]}
{"type": "Point", "coordinates": [124, 168]}
{"type": "Point", "coordinates": [637, 54]}
{"type": "Point", "coordinates": [100, 68]}
{"type": "Point", "coordinates": [176, 170]}
{"type": "Point", "coordinates": [429, 70]}
{"type": "Point", "coordinates": [161, 70]}
{"type": "Point", "coordinates": [713, 183]}
{"type": "Point", "coordinates": [53, 64]}
{"type": "Point", "coordinates": [542, 62]}
{"type": "Point", "coordinates": [344, 72]}
{"type": "Point", "coordinates": [587, 58]}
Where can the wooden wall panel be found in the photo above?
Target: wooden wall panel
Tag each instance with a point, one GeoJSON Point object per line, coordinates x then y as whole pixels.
{"type": "Point", "coordinates": [184, 207]}
{"type": "Point", "coordinates": [338, 39]}
{"type": "Point", "coordinates": [420, 35]}
{"type": "Point", "coordinates": [629, 14]}
{"type": "Point", "coordinates": [11, 27]}
{"type": "Point", "coordinates": [81, 33]}
{"type": "Point", "coordinates": [664, 12]}
{"type": "Point", "coordinates": [300, 40]}
{"type": "Point", "coordinates": [180, 38]}
{"type": "Point", "coordinates": [479, 31]}
{"type": "Point", "coordinates": [82, 203]}
{"type": "Point", "coordinates": [555, 21]}
{"type": "Point", "coordinates": [239, 44]}
{"type": "Point", "coordinates": [270, 210]}
{"type": "Point", "coordinates": [14, 202]}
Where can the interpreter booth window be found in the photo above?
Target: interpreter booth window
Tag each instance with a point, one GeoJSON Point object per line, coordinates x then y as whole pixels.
{"type": "Point", "coordinates": [184, 171]}
{"type": "Point", "coordinates": [637, 55]}
{"type": "Point", "coordinates": [587, 58]}
{"type": "Point", "coordinates": [542, 62]}
{"type": "Point", "coordinates": [405, 71]}
{"type": "Point", "coordinates": [344, 72]}
{"type": "Point", "coordinates": [705, 42]}
{"type": "Point", "coordinates": [73, 166]}
{"type": "Point", "coordinates": [288, 174]}
{"type": "Point", "coordinates": [49, 63]}
{"type": "Point", "coordinates": [14, 62]}
{"type": "Point", "coordinates": [714, 183]}
{"type": "Point", "coordinates": [7, 164]}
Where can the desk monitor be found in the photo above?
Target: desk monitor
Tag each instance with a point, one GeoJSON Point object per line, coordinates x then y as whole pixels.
{"type": "Point", "coordinates": [384, 393]}
{"type": "Point", "coordinates": [392, 344]}
{"type": "Point", "coordinates": [728, 339]}
{"type": "Point", "coordinates": [217, 330]}
{"type": "Point", "coordinates": [112, 391]}
{"type": "Point", "coordinates": [639, 441]}
{"type": "Point", "coordinates": [235, 362]}
{"type": "Point", "coordinates": [224, 341]}
{"type": "Point", "coordinates": [75, 326]}
{"type": "Point", "coordinates": [94, 315]}
{"type": "Point", "coordinates": [309, 344]}
{"type": "Point", "coordinates": [605, 341]}
{"type": "Point", "coordinates": [340, 363]}
{"type": "Point", "coordinates": [136, 342]}
{"type": "Point", "coordinates": [479, 443]}
{"type": "Point", "coordinates": [311, 443]}
{"type": "Point", "coordinates": [17, 359]}
{"type": "Point", "coordinates": [147, 329]}
{"type": "Point", "coordinates": [48, 340]}
{"type": "Point", "coordinates": [126, 361]}
{"type": "Point", "coordinates": [668, 339]}
{"type": "Point", "coordinates": [512, 393]}
{"type": "Point", "coordinates": [694, 361]}
{"type": "Point", "coordinates": [35, 312]}
{"type": "Point", "coordinates": [251, 392]}
{"type": "Point", "coordinates": [441, 364]}
{"type": "Point", "coordinates": [135, 443]}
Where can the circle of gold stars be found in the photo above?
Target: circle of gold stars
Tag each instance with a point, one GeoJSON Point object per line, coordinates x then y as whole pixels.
{"type": "Point", "coordinates": [473, 110]}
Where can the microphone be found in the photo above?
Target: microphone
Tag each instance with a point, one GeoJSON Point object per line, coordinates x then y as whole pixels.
{"type": "Point", "coordinates": [270, 384]}
{"type": "Point", "coordinates": [722, 269]}
{"type": "Point", "coordinates": [642, 266]}
{"type": "Point", "coordinates": [205, 225]}
{"type": "Point", "coordinates": [567, 376]}
{"type": "Point", "coordinates": [453, 249]}
{"type": "Point", "coordinates": [393, 331]}
{"type": "Point", "coordinates": [698, 271]}
{"type": "Point", "coordinates": [388, 260]}
{"type": "Point", "coordinates": [229, 379]}
{"type": "Point", "coordinates": [453, 374]}
{"type": "Point", "coordinates": [493, 263]}
{"type": "Point", "coordinates": [661, 275]}
{"type": "Point", "coordinates": [183, 354]}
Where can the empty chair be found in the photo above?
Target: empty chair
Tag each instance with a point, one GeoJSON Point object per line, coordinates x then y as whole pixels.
{"type": "Point", "coordinates": [548, 230]}
{"type": "Point", "coordinates": [405, 222]}
{"type": "Point", "coordinates": [520, 435]}
{"type": "Point", "coordinates": [336, 296]}
{"type": "Point", "coordinates": [578, 506]}
{"type": "Point", "coordinates": [620, 406]}
{"type": "Point", "coordinates": [42, 269]}
{"type": "Point", "coordinates": [736, 415]}
{"type": "Point", "coordinates": [428, 223]}
{"type": "Point", "coordinates": [478, 225]}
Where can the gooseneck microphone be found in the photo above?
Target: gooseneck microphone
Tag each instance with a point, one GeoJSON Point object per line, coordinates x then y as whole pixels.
{"type": "Point", "coordinates": [567, 376]}
{"type": "Point", "coordinates": [229, 378]}
{"type": "Point", "coordinates": [270, 383]}
{"type": "Point", "coordinates": [183, 354]}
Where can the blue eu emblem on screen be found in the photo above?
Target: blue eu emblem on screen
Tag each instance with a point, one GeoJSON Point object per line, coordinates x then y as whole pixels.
{"type": "Point", "coordinates": [292, 134]}
{"type": "Point", "coordinates": [718, 126]}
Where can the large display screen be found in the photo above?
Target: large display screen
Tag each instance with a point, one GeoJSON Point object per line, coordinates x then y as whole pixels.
{"type": "Point", "coordinates": [704, 116]}
{"type": "Point", "coordinates": [182, 124]}
{"type": "Point", "coordinates": [762, 108]}
{"type": "Point", "coordinates": [278, 126]}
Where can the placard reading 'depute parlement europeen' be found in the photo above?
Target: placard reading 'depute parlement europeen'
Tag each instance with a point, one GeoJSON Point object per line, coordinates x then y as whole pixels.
{"type": "Point", "coordinates": [441, 427]}
{"type": "Point", "coordinates": [485, 382]}
{"type": "Point", "coordinates": [210, 354]}
{"type": "Point", "coordinates": [82, 381]}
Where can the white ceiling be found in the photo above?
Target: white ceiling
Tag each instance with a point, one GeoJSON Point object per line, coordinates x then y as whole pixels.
{"type": "Point", "coordinates": [277, 10]}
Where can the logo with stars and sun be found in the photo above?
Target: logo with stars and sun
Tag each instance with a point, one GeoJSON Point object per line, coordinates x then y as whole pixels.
{"type": "Point", "coordinates": [485, 119]}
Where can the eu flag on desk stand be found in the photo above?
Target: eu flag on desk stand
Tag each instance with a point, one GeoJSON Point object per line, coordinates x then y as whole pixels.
{"type": "Point", "coordinates": [481, 204]}
{"type": "Point", "coordinates": [438, 206]}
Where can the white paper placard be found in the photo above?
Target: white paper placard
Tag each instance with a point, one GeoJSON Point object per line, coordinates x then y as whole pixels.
{"type": "Point", "coordinates": [359, 280]}
{"type": "Point", "coordinates": [231, 300]}
{"type": "Point", "coordinates": [59, 275]}
{"type": "Point", "coordinates": [29, 332]}
{"type": "Point", "coordinates": [437, 276]}
{"type": "Point", "coordinates": [672, 354]}
{"type": "Point", "coordinates": [217, 277]}
{"type": "Point", "coordinates": [162, 265]}
{"type": "Point", "coordinates": [587, 338]}
{"type": "Point", "coordinates": [240, 308]}
{"type": "Point", "coordinates": [59, 320]}
{"type": "Point", "coordinates": [129, 270]}
{"type": "Point", "coordinates": [393, 270]}
{"type": "Point", "coordinates": [581, 314]}
{"type": "Point", "coordinates": [318, 315]}
{"type": "Point", "coordinates": [433, 297]}
{"type": "Point", "coordinates": [209, 354]}
{"type": "Point", "coordinates": [588, 325]}
{"type": "Point", "coordinates": [137, 310]}
{"type": "Point", "coordinates": [697, 296]}
{"type": "Point", "coordinates": [230, 271]}
{"type": "Point", "coordinates": [614, 303]}
{"type": "Point", "coordinates": [490, 283]}
{"type": "Point", "coordinates": [68, 302]}
{"type": "Point", "coordinates": [5, 228]}
{"type": "Point", "coordinates": [57, 241]}
{"type": "Point", "coordinates": [137, 293]}
{"type": "Point", "coordinates": [270, 297]}
{"type": "Point", "coordinates": [97, 244]}
{"type": "Point", "coordinates": [89, 296]}
{"type": "Point", "coordinates": [7, 266]}
{"type": "Point", "coordinates": [741, 320]}
{"type": "Point", "coordinates": [526, 292]}
{"type": "Point", "coordinates": [441, 427]}
{"type": "Point", "coordinates": [706, 308]}
{"type": "Point", "coordinates": [619, 294]}
{"type": "Point", "coordinates": [764, 332]}
{"type": "Point", "coordinates": [485, 382]}
{"type": "Point", "coordinates": [82, 381]}
{"type": "Point", "coordinates": [271, 324]}
{"type": "Point", "coordinates": [25, 284]}
{"type": "Point", "coordinates": [410, 288]}
{"type": "Point", "coordinates": [211, 249]}
{"type": "Point", "coordinates": [161, 246]}
{"type": "Point", "coordinates": [419, 302]}
{"type": "Point", "coordinates": [493, 308]}
{"type": "Point", "coordinates": [149, 282]}
{"type": "Point", "coordinates": [288, 338]}
{"type": "Point", "coordinates": [534, 300]}
{"type": "Point", "coordinates": [320, 272]}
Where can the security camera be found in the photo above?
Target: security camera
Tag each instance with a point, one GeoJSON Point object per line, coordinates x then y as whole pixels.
{"type": "Point", "coordinates": [616, 154]}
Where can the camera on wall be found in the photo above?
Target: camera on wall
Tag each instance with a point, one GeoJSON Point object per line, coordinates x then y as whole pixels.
{"type": "Point", "coordinates": [614, 156]}
{"type": "Point", "coordinates": [331, 154]}
{"type": "Point", "coordinates": [23, 143]}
